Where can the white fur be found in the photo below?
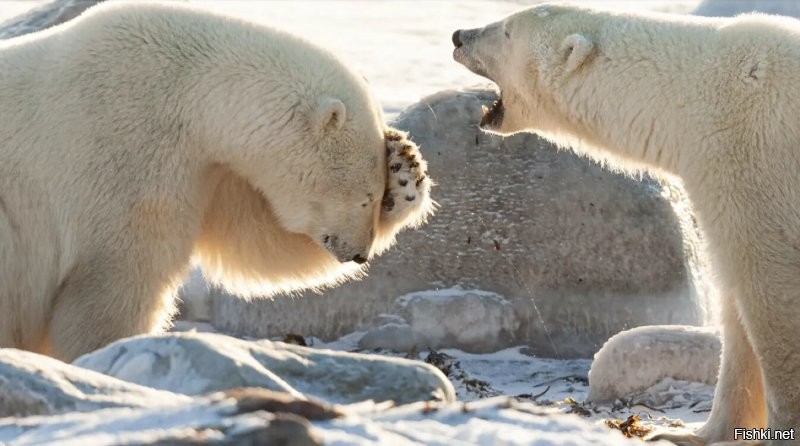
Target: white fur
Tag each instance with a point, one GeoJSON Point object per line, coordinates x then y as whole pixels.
{"type": "Point", "coordinates": [142, 134]}
{"type": "Point", "coordinates": [715, 102]}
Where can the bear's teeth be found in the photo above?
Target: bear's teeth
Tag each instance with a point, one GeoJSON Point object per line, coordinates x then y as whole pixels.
{"type": "Point", "coordinates": [484, 109]}
{"type": "Point", "coordinates": [493, 117]}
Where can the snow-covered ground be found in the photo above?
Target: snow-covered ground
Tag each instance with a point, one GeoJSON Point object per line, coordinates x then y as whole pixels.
{"type": "Point", "coordinates": [494, 421]}
{"type": "Point", "coordinates": [557, 383]}
{"type": "Point", "coordinates": [98, 400]}
{"type": "Point", "coordinates": [402, 47]}
{"type": "Point", "coordinates": [560, 385]}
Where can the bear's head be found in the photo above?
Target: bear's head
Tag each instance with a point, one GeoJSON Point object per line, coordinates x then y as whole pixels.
{"type": "Point", "coordinates": [318, 152]}
{"type": "Point", "coordinates": [528, 55]}
{"type": "Point", "coordinates": [303, 129]}
{"type": "Point", "coordinates": [332, 183]}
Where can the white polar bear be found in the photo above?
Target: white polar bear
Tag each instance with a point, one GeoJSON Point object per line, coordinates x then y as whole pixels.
{"type": "Point", "coordinates": [142, 134]}
{"type": "Point", "coordinates": [715, 102]}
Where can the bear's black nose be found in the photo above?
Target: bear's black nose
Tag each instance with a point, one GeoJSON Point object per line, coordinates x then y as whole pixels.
{"type": "Point", "coordinates": [457, 39]}
{"type": "Point", "coordinates": [359, 259]}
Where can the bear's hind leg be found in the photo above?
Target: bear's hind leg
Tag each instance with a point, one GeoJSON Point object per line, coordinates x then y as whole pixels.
{"type": "Point", "coordinates": [771, 320]}
{"type": "Point", "coordinates": [739, 394]}
{"type": "Point", "coordinates": [94, 308]}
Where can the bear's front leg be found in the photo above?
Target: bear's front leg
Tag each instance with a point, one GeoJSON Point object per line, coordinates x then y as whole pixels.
{"type": "Point", "coordinates": [739, 395]}
{"type": "Point", "coordinates": [104, 300]}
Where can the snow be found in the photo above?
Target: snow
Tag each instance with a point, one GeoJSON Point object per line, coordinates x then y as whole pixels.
{"type": "Point", "coordinates": [402, 47]}
{"type": "Point", "coordinates": [662, 402]}
{"type": "Point", "coordinates": [168, 418]}
{"type": "Point", "coordinates": [10, 9]}
{"type": "Point", "coordinates": [496, 421]}
{"type": "Point", "coordinates": [480, 417]}
{"type": "Point", "coordinates": [109, 426]}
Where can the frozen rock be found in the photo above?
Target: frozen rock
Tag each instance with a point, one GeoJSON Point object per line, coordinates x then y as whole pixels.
{"type": "Point", "coordinates": [399, 337]}
{"type": "Point", "coordinates": [44, 16]}
{"type": "Point", "coordinates": [196, 363]}
{"type": "Point", "coordinates": [730, 8]}
{"type": "Point", "coordinates": [637, 359]}
{"type": "Point", "coordinates": [242, 417]}
{"type": "Point", "coordinates": [195, 298]}
{"type": "Point", "coordinates": [471, 320]}
{"type": "Point", "coordinates": [580, 252]}
{"type": "Point", "coordinates": [32, 384]}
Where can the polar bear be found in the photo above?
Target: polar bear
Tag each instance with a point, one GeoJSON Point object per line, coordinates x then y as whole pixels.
{"type": "Point", "coordinates": [715, 102]}
{"type": "Point", "coordinates": [142, 135]}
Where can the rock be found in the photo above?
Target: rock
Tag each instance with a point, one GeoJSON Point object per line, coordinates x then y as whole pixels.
{"type": "Point", "coordinates": [32, 384]}
{"type": "Point", "coordinates": [44, 16]}
{"type": "Point", "coordinates": [250, 399]}
{"type": "Point", "coordinates": [470, 320]}
{"type": "Point", "coordinates": [634, 360]}
{"type": "Point", "coordinates": [397, 336]}
{"type": "Point", "coordinates": [196, 363]}
{"type": "Point", "coordinates": [578, 251]}
{"type": "Point", "coordinates": [195, 298]}
{"type": "Point", "coordinates": [730, 8]}
{"type": "Point", "coordinates": [218, 419]}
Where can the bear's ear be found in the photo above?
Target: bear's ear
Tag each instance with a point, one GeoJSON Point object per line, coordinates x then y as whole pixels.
{"type": "Point", "coordinates": [575, 49]}
{"type": "Point", "coordinates": [330, 115]}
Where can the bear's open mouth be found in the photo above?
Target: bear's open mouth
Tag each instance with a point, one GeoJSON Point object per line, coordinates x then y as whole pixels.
{"type": "Point", "coordinates": [493, 117]}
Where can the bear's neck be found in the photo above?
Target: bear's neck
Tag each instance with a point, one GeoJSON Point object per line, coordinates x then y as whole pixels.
{"type": "Point", "coordinates": [637, 100]}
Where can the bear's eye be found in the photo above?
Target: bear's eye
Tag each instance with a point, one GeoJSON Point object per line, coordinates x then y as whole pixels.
{"type": "Point", "coordinates": [508, 34]}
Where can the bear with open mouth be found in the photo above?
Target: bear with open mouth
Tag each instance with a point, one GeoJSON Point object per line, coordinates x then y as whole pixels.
{"type": "Point", "coordinates": [713, 101]}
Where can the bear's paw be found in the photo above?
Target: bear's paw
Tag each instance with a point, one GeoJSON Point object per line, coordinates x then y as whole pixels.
{"type": "Point", "coordinates": [407, 181]}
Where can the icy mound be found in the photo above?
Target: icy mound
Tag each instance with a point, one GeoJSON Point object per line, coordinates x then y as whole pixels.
{"type": "Point", "coordinates": [45, 16]}
{"type": "Point", "coordinates": [196, 363]}
{"type": "Point", "coordinates": [32, 384]}
{"type": "Point", "coordinates": [636, 359]}
{"type": "Point", "coordinates": [472, 320]}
